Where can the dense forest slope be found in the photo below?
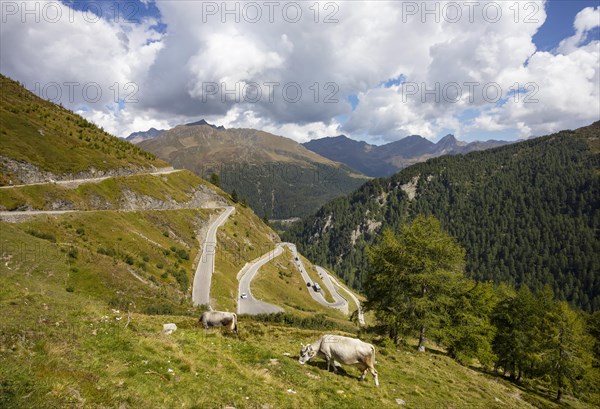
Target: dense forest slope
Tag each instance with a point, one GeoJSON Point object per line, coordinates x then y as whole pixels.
{"type": "Point", "coordinates": [525, 213]}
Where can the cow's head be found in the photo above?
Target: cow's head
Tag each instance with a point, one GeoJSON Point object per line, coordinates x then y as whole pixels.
{"type": "Point", "coordinates": [306, 353]}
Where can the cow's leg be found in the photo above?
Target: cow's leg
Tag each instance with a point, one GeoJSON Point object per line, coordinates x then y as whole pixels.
{"type": "Point", "coordinates": [374, 373]}
{"type": "Point", "coordinates": [328, 362]}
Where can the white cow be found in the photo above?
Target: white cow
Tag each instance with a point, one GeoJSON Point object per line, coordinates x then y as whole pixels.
{"type": "Point", "coordinates": [348, 351]}
{"type": "Point", "coordinates": [219, 318]}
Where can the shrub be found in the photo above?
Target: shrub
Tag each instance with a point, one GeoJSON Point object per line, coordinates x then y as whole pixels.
{"type": "Point", "coordinates": [73, 252]}
{"type": "Point", "coordinates": [106, 251]}
{"type": "Point", "coordinates": [181, 278]}
{"type": "Point", "coordinates": [159, 309]}
{"type": "Point", "coordinates": [41, 235]}
{"type": "Point", "coordinates": [182, 254]}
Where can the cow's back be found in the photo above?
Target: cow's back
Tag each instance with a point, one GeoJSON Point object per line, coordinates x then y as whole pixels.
{"type": "Point", "coordinates": [346, 350]}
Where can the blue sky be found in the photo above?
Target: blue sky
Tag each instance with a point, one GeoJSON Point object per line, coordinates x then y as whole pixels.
{"type": "Point", "coordinates": [559, 22]}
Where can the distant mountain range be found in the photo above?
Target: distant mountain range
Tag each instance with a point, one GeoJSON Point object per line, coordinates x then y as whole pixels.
{"type": "Point", "coordinates": [137, 137]}
{"type": "Point", "coordinates": [385, 160]}
{"type": "Point", "coordinates": [278, 177]}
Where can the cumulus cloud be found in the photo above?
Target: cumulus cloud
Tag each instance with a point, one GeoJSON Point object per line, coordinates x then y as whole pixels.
{"type": "Point", "coordinates": [290, 70]}
{"type": "Point", "coordinates": [585, 21]}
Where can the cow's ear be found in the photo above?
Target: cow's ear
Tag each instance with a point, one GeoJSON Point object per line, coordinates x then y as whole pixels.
{"type": "Point", "coordinates": [312, 353]}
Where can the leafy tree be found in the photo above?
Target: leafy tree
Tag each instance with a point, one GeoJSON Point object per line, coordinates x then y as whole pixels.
{"type": "Point", "coordinates": [566, 347]}
{"type": "Point", "coordinates": [468, 333]}
{"type": "Point", "coordinates": [413, 278]}
{"type": "Point", "coordinates": [593, 328]}
{"type": "Point", "coordinates": [215, 179]}
{"type": "Point", "coordinates": [516, 319]}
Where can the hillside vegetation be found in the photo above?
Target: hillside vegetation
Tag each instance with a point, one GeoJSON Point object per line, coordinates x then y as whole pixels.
{"type": "Point", "coordinates": [81, 348]}
{"type": "Point", "coordinates": [55, 140]}
{"type": "Point", "coordinates": [527, 213]}
{"type": "Point", "coordinates": [278, 177]}
{"type": "Point", "coordinates": [84, 296]}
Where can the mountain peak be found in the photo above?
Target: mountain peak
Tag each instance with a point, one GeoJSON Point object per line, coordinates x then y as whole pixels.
{"type": "Point", "coordinates": [448, 138]}
{"type": "Point", "coordinates": [203, 122]}
{"type": "Point", "coordinates": [136, 137]}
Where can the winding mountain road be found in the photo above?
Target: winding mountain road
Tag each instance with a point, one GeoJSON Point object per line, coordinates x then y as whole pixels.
{"type": "Point", "coordinates": [206, 265]}
{"type": "Point", "coordinates": [340, 302]}
{"type": "Point", "coordinates": [361, 315]}
{"type": "Point", "coordinates": [205, 268]}
{"type": "Point", "coordinates": [251, 305]}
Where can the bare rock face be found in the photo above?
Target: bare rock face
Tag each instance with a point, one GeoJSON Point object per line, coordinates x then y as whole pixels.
{"type": "Point", "coordinates": [203, 197]}
{"type": "Point", "coordinates": [19, 172]}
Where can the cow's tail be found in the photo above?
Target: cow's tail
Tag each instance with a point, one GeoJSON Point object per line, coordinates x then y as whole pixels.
{"type": "Point", "coordinates": [235, 324]}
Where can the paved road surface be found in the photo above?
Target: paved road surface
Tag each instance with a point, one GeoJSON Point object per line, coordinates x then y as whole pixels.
{"type": "Point", "coordinates": [206, 265]}
{"type": "Point", "coordinates": [361, 315]}
{"type": "Point", "coordinates": [339, 303]}
{"type": "Point", "coordinates": [76, 182]}
{"type": "Point", "coordinates": [251, 305]}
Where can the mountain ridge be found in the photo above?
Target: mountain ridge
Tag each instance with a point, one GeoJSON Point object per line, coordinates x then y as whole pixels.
{"type": "Point", "coordinates": [385, 160]}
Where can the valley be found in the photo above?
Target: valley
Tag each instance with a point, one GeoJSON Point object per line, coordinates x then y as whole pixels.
{"type": "Point", "coordinates": [254, 205]}
{"type": "Point", "coordinates": [278, 177]}
{"type": "Point", "coordinates": [95, 259]}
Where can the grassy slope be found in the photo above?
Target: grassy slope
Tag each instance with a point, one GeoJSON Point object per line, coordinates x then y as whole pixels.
{"type": "Point", "coordinates": [62, 349]}
{"type": "Point", "coordinates": [176, 186]}
{"type": "Point", "coordinates": [106, 246]}
{"type": "Point", "coordinates": [57, 140]}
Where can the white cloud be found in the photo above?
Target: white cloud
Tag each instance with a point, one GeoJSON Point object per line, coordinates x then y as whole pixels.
{"type": "Point", "coordinates": [370, 43]}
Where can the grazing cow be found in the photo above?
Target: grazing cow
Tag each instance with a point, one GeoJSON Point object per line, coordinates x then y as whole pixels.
{"type": "Point", "coordinates": [348, 351]}
{"type": "Point", "coordinates": [218, 319]}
